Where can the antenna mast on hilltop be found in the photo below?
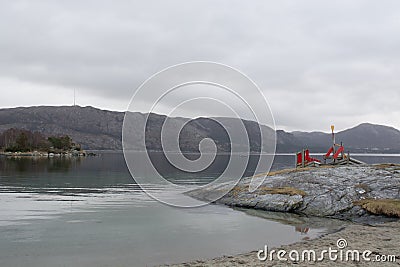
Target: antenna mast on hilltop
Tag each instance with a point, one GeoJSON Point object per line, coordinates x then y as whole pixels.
{"type": "Point", "coordinates": [74, 98]}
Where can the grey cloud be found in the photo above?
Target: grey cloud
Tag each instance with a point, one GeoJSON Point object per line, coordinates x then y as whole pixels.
{"type": "Point", "coordinates": [316, 61]}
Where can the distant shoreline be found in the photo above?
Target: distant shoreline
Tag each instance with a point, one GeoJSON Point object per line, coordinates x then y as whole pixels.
{"type": "Point", "coordinates": [99, 151]}
{"type": "Point", "coordinates": [251, 153]}
{"type": "Point", "coordinates": [44, 154]}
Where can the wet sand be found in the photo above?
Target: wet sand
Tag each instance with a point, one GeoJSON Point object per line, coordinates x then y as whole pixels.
{"type": "Point", "coordinates": [380, 239]}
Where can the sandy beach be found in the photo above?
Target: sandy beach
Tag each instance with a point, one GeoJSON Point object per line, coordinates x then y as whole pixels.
{"type": "Point", "coordinates": [382, 240]}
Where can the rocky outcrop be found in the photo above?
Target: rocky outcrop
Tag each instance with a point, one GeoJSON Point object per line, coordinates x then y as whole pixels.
{"type": "Point", "coordinates": [325, 192]}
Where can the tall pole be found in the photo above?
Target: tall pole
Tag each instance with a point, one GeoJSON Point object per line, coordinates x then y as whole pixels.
{"type": "Point", "coordinates": [333, 138]}
{"type": "Point", "coordinates": [74, 97]}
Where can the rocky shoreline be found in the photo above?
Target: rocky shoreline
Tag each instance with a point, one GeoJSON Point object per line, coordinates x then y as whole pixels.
{"type": "Point", "coordinates": [45, 154]}
{"type": "Point", "coordinates": [363, 196]}
{"type": "Point", "coordinates": [339, 192]}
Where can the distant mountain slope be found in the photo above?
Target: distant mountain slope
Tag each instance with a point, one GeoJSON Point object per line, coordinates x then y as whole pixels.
{"type": "Point", "coordinates": [365, 137]}
{"type": "Point", "coordinates": [101, 129]}
{"type": "Point", "coordinates": [371, 137]}
{"type": "Point", "coordinates": [91, 127]}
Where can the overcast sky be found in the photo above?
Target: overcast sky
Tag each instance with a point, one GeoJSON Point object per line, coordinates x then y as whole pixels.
{"type": "Point", "coordinates": [317, 62]}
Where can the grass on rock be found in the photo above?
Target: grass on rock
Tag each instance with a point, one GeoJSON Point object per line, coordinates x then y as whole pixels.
{"type": "Point", "coordinates": [388, 207]}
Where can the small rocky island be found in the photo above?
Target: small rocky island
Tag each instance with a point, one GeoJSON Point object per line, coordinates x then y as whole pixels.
{"type": "Point", "coordinates": [348, 192]}
{"type": "Point", "coordinates": [20, 142]}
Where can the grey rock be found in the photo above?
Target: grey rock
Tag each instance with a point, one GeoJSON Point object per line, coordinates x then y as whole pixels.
{"type": "Point", "coordinates": [330, 192]}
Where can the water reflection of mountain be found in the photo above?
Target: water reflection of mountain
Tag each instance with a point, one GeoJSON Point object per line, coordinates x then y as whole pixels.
{"type": "Point", "coordinates": [63, 175]}
{"type": "Point", "coordinates": [35, 165]}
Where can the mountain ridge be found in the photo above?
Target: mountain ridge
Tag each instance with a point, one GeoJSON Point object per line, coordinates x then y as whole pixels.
{"type": "Point", "coordinates": [102, 129]}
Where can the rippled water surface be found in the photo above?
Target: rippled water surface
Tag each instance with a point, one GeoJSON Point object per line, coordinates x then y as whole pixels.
{"type": "Point", "coordinates": [90, 212]}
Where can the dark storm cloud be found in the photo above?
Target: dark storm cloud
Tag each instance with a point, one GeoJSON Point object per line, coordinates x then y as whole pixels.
{"type": "Point", "coordinates": [317, 62]}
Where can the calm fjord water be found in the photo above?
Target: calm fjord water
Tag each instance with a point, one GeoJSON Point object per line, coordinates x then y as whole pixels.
{"type": "Point", "coordinates": [90, 212]}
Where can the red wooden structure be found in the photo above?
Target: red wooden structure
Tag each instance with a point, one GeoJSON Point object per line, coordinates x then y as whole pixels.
{"type": "Point", "coordinates": [303, 159]}
{"type": "Point", "coordinates": [335, 154]}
